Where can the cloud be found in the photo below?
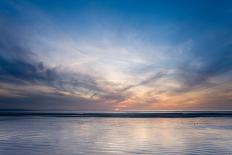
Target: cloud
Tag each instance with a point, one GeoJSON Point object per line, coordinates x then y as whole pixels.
{"type": "Point", "coordinates": [209, 58]}
{"type": "Point", "coordinates": [146, 82]}
{"type": "Point", "coordinates": [20, 67]}
{"type": "Point", "coordinates": [47, 62]}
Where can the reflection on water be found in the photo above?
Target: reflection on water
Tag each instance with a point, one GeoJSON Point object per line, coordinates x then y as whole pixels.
{"type": "Point", "coordinates": [69, 136]}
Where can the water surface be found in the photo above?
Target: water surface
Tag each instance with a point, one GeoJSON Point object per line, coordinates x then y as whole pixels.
{"type": "Point", "coordinates": [34, 135]}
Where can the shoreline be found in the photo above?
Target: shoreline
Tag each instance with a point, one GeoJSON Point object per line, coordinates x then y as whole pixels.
{"type": "Point", "coordinates": [168, 114]}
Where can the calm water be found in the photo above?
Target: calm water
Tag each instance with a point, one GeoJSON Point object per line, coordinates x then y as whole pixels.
{"type": "Point", "coordinates": [73, 135]}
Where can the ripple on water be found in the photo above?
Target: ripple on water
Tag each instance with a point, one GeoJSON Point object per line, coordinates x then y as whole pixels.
{"type": "Point", "coordinates": [57, 135]}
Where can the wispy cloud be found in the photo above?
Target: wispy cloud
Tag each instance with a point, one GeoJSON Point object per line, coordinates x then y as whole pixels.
{"type": "Point", "coordinates": [94, 60]}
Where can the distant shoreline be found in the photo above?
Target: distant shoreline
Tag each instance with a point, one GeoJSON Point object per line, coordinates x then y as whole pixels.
{"type": "Point", "coordinates": [157, 114]}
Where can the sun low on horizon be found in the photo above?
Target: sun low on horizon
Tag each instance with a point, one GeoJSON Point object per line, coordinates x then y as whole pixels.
{"type": "Point", "coordinates": [116, 55]}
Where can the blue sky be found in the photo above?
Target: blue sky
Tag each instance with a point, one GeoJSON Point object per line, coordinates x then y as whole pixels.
{"type": "Point", "coordinates": [116, 55]}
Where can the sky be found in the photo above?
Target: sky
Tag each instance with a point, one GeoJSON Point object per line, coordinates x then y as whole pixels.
{"type": "Point", "coordinates": [116, 55]}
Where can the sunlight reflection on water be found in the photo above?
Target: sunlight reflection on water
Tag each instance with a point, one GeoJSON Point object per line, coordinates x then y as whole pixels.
{"type": "Point", "coordinates": [57, 135]}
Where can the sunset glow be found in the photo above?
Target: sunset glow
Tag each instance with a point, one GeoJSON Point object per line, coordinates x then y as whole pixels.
{"type": "Point", "coordinates": [115, 55]}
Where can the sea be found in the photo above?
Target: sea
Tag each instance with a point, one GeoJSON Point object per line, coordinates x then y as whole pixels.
{"type": "Point", "coordinates": [117, 135]}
